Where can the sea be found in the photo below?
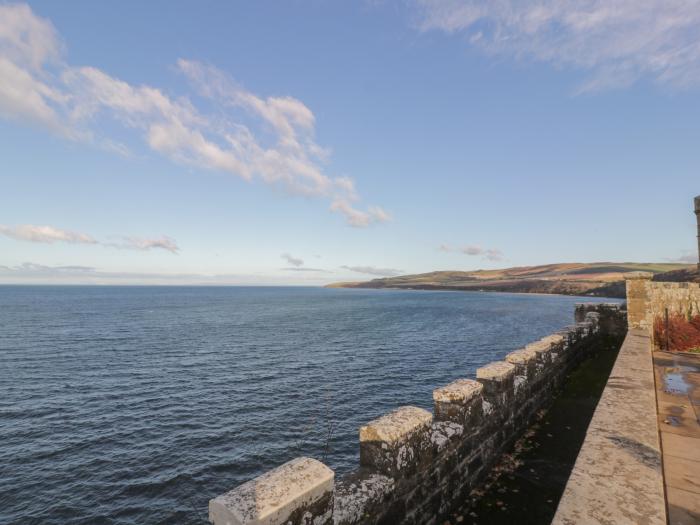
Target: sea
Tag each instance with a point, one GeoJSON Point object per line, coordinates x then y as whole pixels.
{"type": "Point", "coordinates": [136, 405]}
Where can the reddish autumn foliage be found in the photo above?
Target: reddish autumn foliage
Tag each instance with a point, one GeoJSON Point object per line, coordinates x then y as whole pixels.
{"type": "Point", "coordinates": [683, 333]}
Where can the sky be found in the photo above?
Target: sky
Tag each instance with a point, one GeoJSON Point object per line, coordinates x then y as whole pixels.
{"type": "Point", "coordinates": [307, 142]}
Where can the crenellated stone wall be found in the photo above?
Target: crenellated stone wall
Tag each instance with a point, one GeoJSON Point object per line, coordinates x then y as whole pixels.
{"type": "Point", "coordinates": [647, 299]}
{"type": "Point", "coordinates": [416, 465]}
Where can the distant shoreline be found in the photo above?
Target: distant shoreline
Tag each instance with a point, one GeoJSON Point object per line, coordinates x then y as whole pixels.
{"type": "Point", "coordinates": [603, 279]}
{"type": "Point", "coordinates": [467, 290]}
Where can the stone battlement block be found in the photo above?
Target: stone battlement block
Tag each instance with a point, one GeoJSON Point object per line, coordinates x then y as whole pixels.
{"type": "Point", "coordinates": [542, 348]}
{"type": "Point", "coordinates": [459, 391]}
{"type": "Point", "coordinates": [460, 402]}
{"type": "Point", "coordinates": [521, 357]}
{"type": "Point", "coordinates": [360, 494]}
{"type": "Point", "coordinates": [569, 334]}
{"type": "Point", "coordinates": [396, 425]}
{"type": "Point", "coordinates": [585, 327]}
{"type": "Point", "coordinates": [294, 493]}
{"type": "Point", "coordinates": [524, 361]}
{"type": "Point", "coordinates": [394, 443]}
{"type": "Point", "coordinates": [498, 380]}
{"type": "Point", "coordinates": [498, 372]}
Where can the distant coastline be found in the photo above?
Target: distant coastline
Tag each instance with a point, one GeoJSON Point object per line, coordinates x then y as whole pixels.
{"type": "Point", "coordinates": [603, 279]}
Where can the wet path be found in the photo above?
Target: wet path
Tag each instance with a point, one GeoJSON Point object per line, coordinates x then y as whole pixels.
{"type": "Point", "coordinates": [678, 403]}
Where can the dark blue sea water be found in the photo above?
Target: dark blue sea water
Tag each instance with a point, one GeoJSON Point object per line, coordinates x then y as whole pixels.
{"type": "Point", "coordinates": [136, 405]}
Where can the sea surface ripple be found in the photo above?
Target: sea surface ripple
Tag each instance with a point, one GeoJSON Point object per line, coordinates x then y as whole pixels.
{"type": "Point", "coordinates": [136, 405]}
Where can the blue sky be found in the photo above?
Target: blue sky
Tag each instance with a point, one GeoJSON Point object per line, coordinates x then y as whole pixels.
{"type": "Point", "coordinates": [305, 142]}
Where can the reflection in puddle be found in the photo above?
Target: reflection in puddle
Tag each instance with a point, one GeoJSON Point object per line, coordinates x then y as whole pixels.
{"type": "Point", "coordinates": [674, 380]}
{"type": "Point", "coordinates": [673, 421]}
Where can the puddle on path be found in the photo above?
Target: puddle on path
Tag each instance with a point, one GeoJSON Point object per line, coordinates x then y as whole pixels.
{"type": "Point", "coordinates": [674, 380]}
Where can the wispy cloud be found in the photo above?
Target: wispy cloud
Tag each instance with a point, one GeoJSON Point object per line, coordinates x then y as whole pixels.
{"type": "Point", "coordinates": [45, 234]}
{"type": "Point", "coordinates": [472, 250]}
{"type": "Point", "coordinates": [688, 256]}
{"type": "Point", "coordinates": [276, 145]}
{"type": "Point", "coordinates": [616, 41]}
{"type": "Point", "coordinates": [373, 270]}
{"type": "Point", "coordinates": [294, 261]}
{"type": "Point", "coordinates": [306, 269]}
{"type": "Point", "coordinates": [491, 254]}
{"type": "Point", "coordinates": [136, 243]}
{"type": "Point", "coordinates": [297, 265]}
{"type": "Point", "coordinates": [50, 235]}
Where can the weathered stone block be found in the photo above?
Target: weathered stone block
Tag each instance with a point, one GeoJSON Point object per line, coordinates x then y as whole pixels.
{"type": "Point", "coordinates": [637, 298]}
{"type": "Point", "coordinates": [296, 493]}
{"type": "Point", "coordinates": [557, 345]}
{"type": "Point", "coordinates": [569, 336]}
{"type": "Point", "coordinates": [542, 348]}
{"type": "Point", "coordinates": [360, 495]}
{"type": "Point", "coordinates": [395, 443]}
{"type": "Point", "coordinates": [498, 379]}
{"type": "Point", "coordinates": [445, 433]}
{"type": "Point", "coordinates": [586, 328]}
{"type": "Point", "coordinates": [460, 402]}
{"type": "Point", "coordinates": [525, 363]}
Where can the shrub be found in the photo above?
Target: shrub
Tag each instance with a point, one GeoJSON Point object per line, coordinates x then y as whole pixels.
{"type": "Point", "coordinates": [683, 333]}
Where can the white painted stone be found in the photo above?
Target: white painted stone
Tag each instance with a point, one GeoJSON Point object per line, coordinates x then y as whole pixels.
{"type": "Point", "coordinates": [396, 425]}
{"type": "Point", "coordinates": [497, 371]}
{"type": "Point", "coordinates": [272, 497]}
{"type": "Point", "coordinates": [459, 391]}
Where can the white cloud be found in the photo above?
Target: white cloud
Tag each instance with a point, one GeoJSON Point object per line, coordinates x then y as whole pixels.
{"type": "Point", "coordinates": [358, 218]}
{"type": "Point", "coordinates": [275, 145]}
{"type": "Point", "coordinates": [45, 234]}
{"type": "Point", "coordinates": [688, 256]}
{"type": "Point", "coordinates": [491, 254]}
{"type": "Point", "coordinates": [472, 250]}
{"type": "Point", "coordinates": [294, 261]}
{"type": "Point", "coordinates": [27, 38]}
{"type": "Point", "coordinates": [136, 243]}
{"type": "Point", "coordinates": [50, 235]}
{"type": "Point", "coordinates": [296, 269]}
{"type": "Point", "coordinates": [373, 270]}
{"type": "Point", "coordinates": [616, 41]}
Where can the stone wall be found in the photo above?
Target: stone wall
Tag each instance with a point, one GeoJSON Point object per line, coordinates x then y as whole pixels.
{"type": "Point", "coordinates": [416, 465]}
{"type": "Point", "coordinates": [647, 299]}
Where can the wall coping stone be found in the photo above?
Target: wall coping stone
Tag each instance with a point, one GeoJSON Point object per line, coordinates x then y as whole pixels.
{"type": "Point", "coordinates": [396, 425]}
{"type": "Point", "coordinates": [496, 371]}
{"type": "Point", "coordinates": [273, 496]}
{"type": "Point", "coordinates": [459, 391]}
{"type": "Point", "coordinates": [617, 476]}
